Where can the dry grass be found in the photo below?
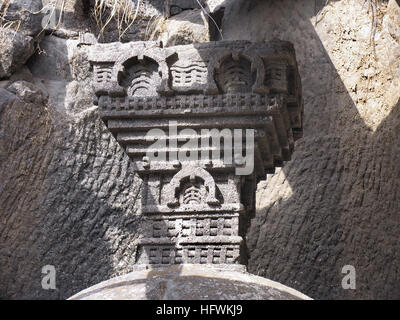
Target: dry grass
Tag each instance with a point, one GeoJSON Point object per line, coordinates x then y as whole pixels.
{"type": "Point", "coordinates": [55, 4]}
{"type": "Point", "coordinates": [124, 12]}
{"type": "Point", "coordinates": [15, 24]}
{"type": "Point", "coordinates": [155, 26]}
{"type": "Point", "coordinates": [5, 23]}
{"type": "Point", "coordinates": [374, 8]}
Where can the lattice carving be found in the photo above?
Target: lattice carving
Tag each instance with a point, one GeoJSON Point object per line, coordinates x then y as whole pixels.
{"type": "Point", "coordinates": [184, 77]}
{"type": "Point", "coordinates": [210, 254]}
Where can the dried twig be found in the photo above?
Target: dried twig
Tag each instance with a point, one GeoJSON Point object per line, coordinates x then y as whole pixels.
{"type": "Point", "coordinates": [124, 12]}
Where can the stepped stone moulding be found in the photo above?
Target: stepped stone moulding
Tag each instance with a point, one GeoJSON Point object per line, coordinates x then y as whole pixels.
{"type": "Point", "coordinates": [197, 211]}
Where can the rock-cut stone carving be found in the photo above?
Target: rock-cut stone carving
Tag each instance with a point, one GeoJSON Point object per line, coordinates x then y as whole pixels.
{"type": "Point", "coordinates": [192, 193]}
{"type": "Point", "coordinates": [235, 75]}
{"type": "Point", "coordinates": [141, 77]}
{"type": "Point", "coordinates": [198, 210]}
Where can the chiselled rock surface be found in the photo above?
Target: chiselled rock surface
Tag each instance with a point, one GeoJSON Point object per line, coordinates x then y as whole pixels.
{"type": "Point", "coordinates": [198, 194]}
{"type": "Point", "coordinates": [337, 202]}
{"type": "Point", "coordinates": [189, 282]}
{"type": "Point", "coordinates": [59, 187]}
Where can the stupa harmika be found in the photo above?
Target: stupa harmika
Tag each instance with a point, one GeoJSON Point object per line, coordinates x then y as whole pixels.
{"type": "Point", "coordinates": [198, 211]}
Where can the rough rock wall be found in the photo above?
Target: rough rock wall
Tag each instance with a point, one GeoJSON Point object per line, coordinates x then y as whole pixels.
{"type": "Point", "coordinates": [68, 194]}
{"type": "Point", "coordinates": [338, 201]}
{"type": "Point", "coordinates": [69, 198]}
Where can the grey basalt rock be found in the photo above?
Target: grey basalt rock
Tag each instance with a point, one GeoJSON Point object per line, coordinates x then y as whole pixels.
{"type": "Point", "coordinates": [27, 13]}
{"type": "Point", "coordinates": [187, 27]}
{"type": "Point", "coordinates": [173, 7]}
{"type": "Point", "coordinates": [64, 72]}
{"type": "Point", "coordinates": [337, 202]}
{"type": "Point", "coordinates": [15, 50]}
{"type": "Point", "coordinates": [28, 92]}
{"type": "Point", "coordinates": [6, 98]}
{"type": "Point", "coordinates": [198, 208]}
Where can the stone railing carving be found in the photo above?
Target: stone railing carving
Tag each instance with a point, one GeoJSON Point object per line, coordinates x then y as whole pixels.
{"type": "Point", "coordinates": [198, 209]}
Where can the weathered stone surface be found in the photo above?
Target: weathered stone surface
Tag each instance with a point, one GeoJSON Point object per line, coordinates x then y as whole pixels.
{"type": "Point", "coordinates": [173, 7]}
{"type": "Point", "coordinates": [23, 74]}
{"type": "Point", "coordinates": [337, 201]}
{"type": "Point", "coordinates": [63, 71]}
{"type": "Point", "coordinates": [27, 92]}
{"type": "Point", "coordinates": [188, 27]}
{"type": "Point", "coordinates": [15, 49]}
{"type": "Point", "coordinates": [53, 209]}
{"type": "Point", "coordinates": [6, 98]}
{"type": "Point", "coordinates": [213, 5]}
{"type": "Point", "coordinates": [68, 17]}
{"type": "Point", "coordinates": [26, 13]}
{"type": "Point", "coordinates": [189, 282]}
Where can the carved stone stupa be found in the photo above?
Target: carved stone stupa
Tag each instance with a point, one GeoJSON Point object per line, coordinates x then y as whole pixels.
{"type": "Point", "coordinates": [196, 203]}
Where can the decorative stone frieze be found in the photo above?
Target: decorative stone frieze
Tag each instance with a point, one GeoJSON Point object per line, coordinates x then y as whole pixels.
{"type": "Point", "coordinates": [219, 96]}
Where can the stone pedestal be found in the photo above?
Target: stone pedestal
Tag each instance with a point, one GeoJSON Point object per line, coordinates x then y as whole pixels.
{"type": "Point", "coordinates": [189, 282]}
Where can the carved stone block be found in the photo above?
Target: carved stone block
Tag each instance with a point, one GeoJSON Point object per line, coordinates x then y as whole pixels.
{"type": "Point", "coordinates": [155, 100]}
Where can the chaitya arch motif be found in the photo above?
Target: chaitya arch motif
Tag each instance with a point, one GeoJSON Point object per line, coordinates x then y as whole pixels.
{"type": "Point", "coordinates": [192, 173]}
